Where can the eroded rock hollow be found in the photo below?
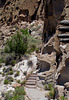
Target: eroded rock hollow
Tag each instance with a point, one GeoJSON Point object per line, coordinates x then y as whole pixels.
{"type": "Point", "coordinates": [52, 12]}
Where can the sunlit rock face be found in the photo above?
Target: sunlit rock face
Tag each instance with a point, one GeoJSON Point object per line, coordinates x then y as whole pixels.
{"type": "Point", "coordinates": [21, 10]}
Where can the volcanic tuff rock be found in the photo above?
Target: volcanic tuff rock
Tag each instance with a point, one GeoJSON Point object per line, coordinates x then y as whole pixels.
{"type": "Point", "coordinates": [26, 10]}
{"type": "Point", "coordinates": [53, 62]}
{"type": "Point", "coordinates": [16, 10]}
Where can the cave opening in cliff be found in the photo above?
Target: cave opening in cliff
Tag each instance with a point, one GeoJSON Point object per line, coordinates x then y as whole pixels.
{"type": "Point", "coordinates": [24, 12]}
{"type": "Point", "coordinates": [52, 12]}
{"type": "Point", "coordinates": [64, 74]}
{"type": "Point", "coordinates": [33, 17]}
{"type": "Point", "coordinates": [2, 2]}
{"type": "Point", "coordinates": [44, 66]}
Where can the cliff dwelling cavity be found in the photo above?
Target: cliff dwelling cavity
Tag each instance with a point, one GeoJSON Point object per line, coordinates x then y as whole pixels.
{"type": "Point", "coordinates": [64, 74]}
{"type": "Point", "coordinates": [44, 66]}
{"type": "Point", "coordinates": [2, 2]}
{"type": "Point", "coordinates": [24, 12]}
{"type": "Point", "coordinates": [48, 49]}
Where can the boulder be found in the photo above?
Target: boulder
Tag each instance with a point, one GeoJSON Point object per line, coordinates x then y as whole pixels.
{"type": "Point", "coordinates": [63, 68]}
{"type": "Point", "coordinates": [67, 85]}
{"type": "Point", "coordinates": [59, 91]}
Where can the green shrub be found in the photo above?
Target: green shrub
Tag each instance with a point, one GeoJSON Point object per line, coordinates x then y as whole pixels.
{"type": "Point", "coordinates": [18, 81]}
{"type": "Point", "coordinates": [4, 69]}
{"type": "Point", "coordinates": [37, 50]}
{"type": "Point", "coordinates": [17, 43]}
{"type": "Point", "coordinates": [17, 73]}
{"type": "Point", "coordinates": [10, 73]}
{"type": "Point", "coordinates": [23, 82]}
{"type": "Point", "coordinates": [13, 62]}
{"type": "Point", "coordinates": [10, 79]}
{"type": "Point", "coordinates": [19, 91]}
{"type": "Point", "coordinates": [18, 94]}
{"type": "Point", "coordinates": [33, 43]}
{"type": "Point", "coordinates": [63, 98]}
{"type": "Point", "coordinates": [52, 93]}
{"type": "Point", "coordinates": [2, 60]}
{"type": "Point", "coordinates": [48, 86]}
{"type": "Point", "coordinates": [24, 31]}
{"type": "Point", "coordinates": [6, 81]}
{"type": "Point", "coordinates": [17, 97]}
{"type": "Point", "coordinates": [0, 65]}
{"type": "Point", "coordinates": [8, 58]}
{"type": "Point", "coordinates": [9, 95]}
{"type": "Point", "coordinates": [3, 74]}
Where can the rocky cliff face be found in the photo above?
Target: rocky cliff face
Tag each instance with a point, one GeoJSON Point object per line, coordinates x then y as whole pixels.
{"type": "Point", "coordinates": [53, 11]}
{"type": "Point", "coordinates": [28, 10]}
{"type": "Point", "coordinates": [56, 54]}
{"type": "Point", "coordinates": [49, 11]}
{"type": "Point", "coordinates": [16, 10]}
{"type": "Point", "coordinates": [54, 59]}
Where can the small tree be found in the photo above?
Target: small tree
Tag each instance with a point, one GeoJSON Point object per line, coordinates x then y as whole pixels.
{"type": "Point", "coordinates": [17, 43]}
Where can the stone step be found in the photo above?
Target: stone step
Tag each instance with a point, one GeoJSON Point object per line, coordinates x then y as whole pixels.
{"type": "Point", "coordinates": [63, 36]}
{"type": "Point", "coordinates": [32, 78]}
{"type": "Point", "coordinates": [64, 40]}
{"type": "Point", "coordinates": [30, 86]}
{"type": "Point", "coordinates": [30, 83]}
{"type": "Point", "coordinates": [33, 75]}
{"type": "Point", "coordinates": [65, 29]}
{"type": "Point", "coordinates": [64, 22]}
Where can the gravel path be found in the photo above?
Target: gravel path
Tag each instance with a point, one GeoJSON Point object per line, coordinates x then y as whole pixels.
{"type": "Point", "coordinates": [35, 94]}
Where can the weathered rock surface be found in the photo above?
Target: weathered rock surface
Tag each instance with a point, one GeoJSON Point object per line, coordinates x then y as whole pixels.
{"type": "Point", "coordinates": [59, 91]}
{"type": "Point", "coordinates": [21, 67]}
{"type": "Point", "coordinates": [53, 62]}
{"type": "Point", "coordinates": [14, 11]}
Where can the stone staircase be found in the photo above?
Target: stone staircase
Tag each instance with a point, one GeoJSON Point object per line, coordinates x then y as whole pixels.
{"type": "Point", "coordinates": [31, 81]}
{"type": "Point", "coordinates": [64, 31]}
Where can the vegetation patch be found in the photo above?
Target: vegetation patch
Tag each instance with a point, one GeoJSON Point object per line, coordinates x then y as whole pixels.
{"type": "Point", "coordinates": [52, 93]}
{"type": "Point", "coordinates": [18, 81]}
{"type": "Point", "coordinates": [13, 62]}
{"type": "Point", "coordinates": [63, 98]}
{"type": "Point", "coordinates": [8, 80]}
{"type": "Point", "coordinates": [48, 86]}
{"type": "Point", "coordinates": [18, 94]}
{"type": "Point", "coordinates": [17, 73]}
{"type": "Point", "coordinates": [23, 82]}
{"type": "Point", "coordinates": [10, 73]}
{"type": "Point", "coordinates": [19, 44]}
{"type": "Point", "coordinates": [51, 89]}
